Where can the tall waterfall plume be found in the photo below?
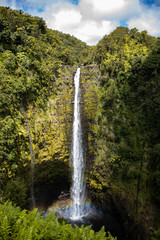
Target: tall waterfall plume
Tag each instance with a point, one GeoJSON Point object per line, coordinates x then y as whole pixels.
{"type": "Point", "coordinates": [78, 185]}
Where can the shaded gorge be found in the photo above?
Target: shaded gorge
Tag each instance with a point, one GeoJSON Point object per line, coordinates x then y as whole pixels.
{"type": "Point", "coordinates": [74, 205]}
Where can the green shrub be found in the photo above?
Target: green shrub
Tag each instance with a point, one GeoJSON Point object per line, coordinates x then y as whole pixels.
{"type": "Point", "coordinates": [22, 225]}
{"type": "Point", "coordinates": [15, 191]}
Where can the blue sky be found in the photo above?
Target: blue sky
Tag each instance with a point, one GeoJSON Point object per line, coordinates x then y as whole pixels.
{"type": "Point", "coordinates": [90, 20]}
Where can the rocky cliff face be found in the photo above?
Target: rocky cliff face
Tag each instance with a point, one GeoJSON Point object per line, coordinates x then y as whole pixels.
{"type": "Point", "coordinates": [51, 132]}
{"type": "Point", "coordinates": [52, 128]}
{"type": "Point", "coordinates": [89, 111]}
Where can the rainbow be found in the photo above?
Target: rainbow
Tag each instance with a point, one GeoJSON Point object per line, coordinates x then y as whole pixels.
{"type": "Point", "coordinates": [63, 208]}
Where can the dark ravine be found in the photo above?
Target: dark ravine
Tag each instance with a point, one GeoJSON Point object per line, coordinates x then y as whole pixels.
{"type": "Point", "coordinates": [121, 223]}
{"type": "Point", "coordinates": [51, 186]}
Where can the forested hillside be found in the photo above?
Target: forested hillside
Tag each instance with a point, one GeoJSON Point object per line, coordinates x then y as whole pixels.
{"type": "Point", "coordinates": [120, 81]}
{"type": "Point", "coordinates": [30, 60]}
{"type": "Point", "coordinates": [127, 162]}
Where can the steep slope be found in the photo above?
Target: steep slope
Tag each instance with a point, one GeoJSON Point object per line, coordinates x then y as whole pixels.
{"type": "Point", "coordinates": [126, 163]}
{"type": "Point", "coordinates": [36, 94]}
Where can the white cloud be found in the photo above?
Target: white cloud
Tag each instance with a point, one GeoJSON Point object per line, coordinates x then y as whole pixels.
{"type": "Point", "coordinates": [62, 17]}
{"type": "Point", "coordinates": [69, 19]}
{"type": "Point", "coordinates": [92, 31]}
{"type": "Point", "coordinates": [149, 20]}
{"type": "Point", "coordinates": [105, 9]}
{"type": "Point", "coordinates": [90, 20]}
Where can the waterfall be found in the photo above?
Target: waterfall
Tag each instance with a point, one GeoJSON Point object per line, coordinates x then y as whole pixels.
{"type": "Point", "coordinates": [32, 162]}
{"type": "Point", "coordinates": [31, 154]}
{"type": "Point", "coordinates": [78, 185]}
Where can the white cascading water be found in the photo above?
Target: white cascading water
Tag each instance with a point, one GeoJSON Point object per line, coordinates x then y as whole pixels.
{"type": "Point", "coordinates": [78, 185]}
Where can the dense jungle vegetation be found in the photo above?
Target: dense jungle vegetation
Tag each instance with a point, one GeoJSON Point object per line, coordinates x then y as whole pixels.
{"type": "Point", "coordinates": [127, 162]}
{"type": "Point", "coordinates": [121, 116]}
{"type": "Point", "coordinates": [30, 58]}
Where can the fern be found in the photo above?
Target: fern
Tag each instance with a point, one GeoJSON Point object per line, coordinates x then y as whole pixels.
{"type": "Point", "coordinates": [22, 225]}
{"type": "Point", "coordinates": [5, 229]}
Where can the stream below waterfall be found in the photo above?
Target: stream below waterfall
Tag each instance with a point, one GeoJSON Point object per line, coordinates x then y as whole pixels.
{"type": "Point", "coordinates": [96, 216]}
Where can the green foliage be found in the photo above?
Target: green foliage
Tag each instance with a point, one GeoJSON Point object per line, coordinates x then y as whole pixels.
{"type": "Point", "coordinates": [16, 191]}
{"type": "Point", "coordinates": [121, 110]}
{"type": "Point", "coordinates": [17, 224]}
{"type": "Point", "coordinates": [128, 87]}
{"type": "Point", "coordinates": [156, 235]}
{"type": "Point", "coordinates": [30, 59]}
{"type": "Point", "coordinates": [127, 157]}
